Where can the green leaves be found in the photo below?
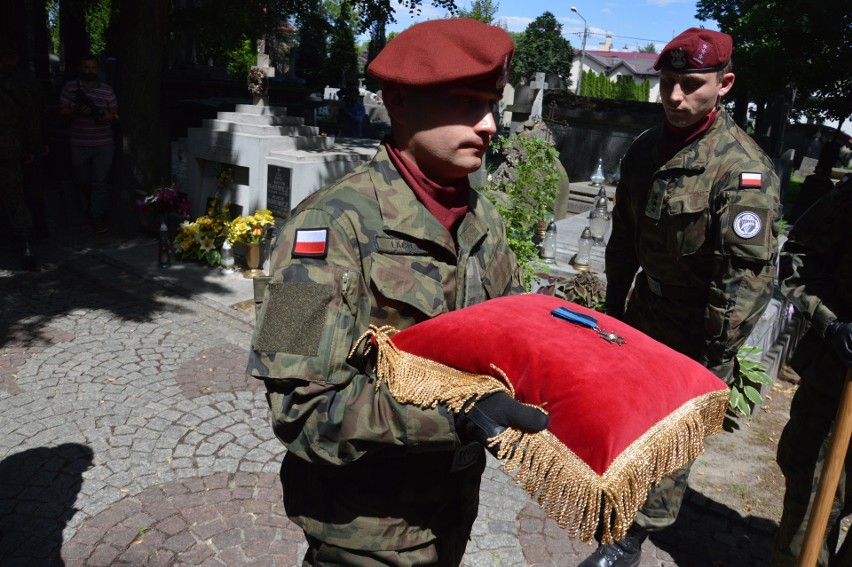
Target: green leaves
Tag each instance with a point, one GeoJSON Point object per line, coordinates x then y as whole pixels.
{"type": "Point", "coordinates": [745, 392]}
{"type": "Point", "coordinates": [541, 49]}
{"type": "Point", "coordinates": [524, 190]}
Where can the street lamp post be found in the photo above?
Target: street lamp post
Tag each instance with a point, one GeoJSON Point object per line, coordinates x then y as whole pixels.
{"type": "Point", "coordinates": [582, 50]}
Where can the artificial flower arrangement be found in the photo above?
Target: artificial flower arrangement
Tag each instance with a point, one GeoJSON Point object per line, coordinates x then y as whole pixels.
{"type": "Point", "coordinates": [165, 200]}
{"type": "Point", "coordinates": [249, 229]}
{"type": "Point", "coordinates": [257, 81]}
{"type": "Point", "coordinates": [224, 176]}
{"type": "Point", "coordinates": [202, 239]}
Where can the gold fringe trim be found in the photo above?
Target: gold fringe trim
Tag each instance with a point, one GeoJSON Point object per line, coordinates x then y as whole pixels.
{"type": "Point", "coordinates": [567, 490]}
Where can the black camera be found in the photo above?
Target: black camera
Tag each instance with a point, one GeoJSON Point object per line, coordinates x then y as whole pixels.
{"type": "Point", "coordinates": [84, 102]}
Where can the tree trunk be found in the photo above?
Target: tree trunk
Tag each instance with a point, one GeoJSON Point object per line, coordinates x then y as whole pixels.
{"type": "Point", "coordinates": [138, 167]}
{"type": "Point", "coordinates": [74, 42]}
{"type": "Point", "coordinates": [741, 109]}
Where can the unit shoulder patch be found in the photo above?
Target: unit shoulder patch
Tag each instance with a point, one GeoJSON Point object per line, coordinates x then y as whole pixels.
{"type": "Point", "coordinates": [747, 224]}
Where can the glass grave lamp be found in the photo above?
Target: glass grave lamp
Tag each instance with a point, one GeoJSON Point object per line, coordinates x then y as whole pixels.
{"type": "Point", "coordinates": [599, 219]}
{"type": "Point", "coordinates": [616, 176]}
{"type": "Point", "coordinates": [598, 177]}
{"type": "Point", "coordinates": [548, 245]}
{"type": "Point", "coordinates": [227, 261]}
{"type": "Point", "coordinates": [583, 257]}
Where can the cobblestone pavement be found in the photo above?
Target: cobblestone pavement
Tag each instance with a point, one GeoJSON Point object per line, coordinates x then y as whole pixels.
{"type": "Point", "coordinates": [129, 435]}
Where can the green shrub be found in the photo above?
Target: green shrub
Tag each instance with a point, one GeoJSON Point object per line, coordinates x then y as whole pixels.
{"type": "Point", "coordinates": [745, 392]}
{"type": "Point", "coordinates": [524, 190]}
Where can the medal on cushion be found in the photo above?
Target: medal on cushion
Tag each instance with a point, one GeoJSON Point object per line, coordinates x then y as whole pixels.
{"type": "Point", "coordinates": [586, 321]}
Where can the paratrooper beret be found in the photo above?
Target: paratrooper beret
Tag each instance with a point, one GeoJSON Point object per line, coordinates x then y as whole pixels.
{"type": "Point", "coordinates": [696, 50]}
{"type": "Point", "coordinates": [446, 52]}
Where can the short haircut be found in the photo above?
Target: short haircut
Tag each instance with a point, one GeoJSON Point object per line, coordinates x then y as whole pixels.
{"type": "Point", "coordinates": [728, 68]}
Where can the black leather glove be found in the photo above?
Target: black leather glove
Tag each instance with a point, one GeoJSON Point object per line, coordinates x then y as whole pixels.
{"type": "Point", "coordinates": [495, 413]}
{"type": "Point", "coordinates": [839, 336]}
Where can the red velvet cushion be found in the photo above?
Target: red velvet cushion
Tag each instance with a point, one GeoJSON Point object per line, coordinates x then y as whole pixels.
{"type": "Point", "coordinates": [640, 400]}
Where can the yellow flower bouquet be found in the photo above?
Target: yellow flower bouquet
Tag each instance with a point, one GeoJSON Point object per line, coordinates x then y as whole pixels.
{"type": "Point", "coordinates": [249, 229]}
{"type": "Point", "coordinates": [202, 239]}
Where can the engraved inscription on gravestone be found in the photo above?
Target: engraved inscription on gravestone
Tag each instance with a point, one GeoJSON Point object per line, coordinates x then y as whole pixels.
{"type": "Point", "coordinates": [278, 180]}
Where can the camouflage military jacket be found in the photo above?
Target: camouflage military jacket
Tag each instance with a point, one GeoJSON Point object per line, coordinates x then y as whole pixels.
{"type": "Point", "coordinates": [702, 228]}
{"type": "Point", "coordinates": [815, 271]}
{"type": "Point", "coordinates": [366, 251]}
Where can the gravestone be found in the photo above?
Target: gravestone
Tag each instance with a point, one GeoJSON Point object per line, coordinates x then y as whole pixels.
{"type": "Point", "coordinates": [528, 102]}
{"type": "Point", "coordinates": [268, 71]}
{"type": "Point", "coordinates": [807, 167]}
{"type": "Point", "coordinates": [538, 86]}
{"type": "Point", "coordinates": [257, 141]}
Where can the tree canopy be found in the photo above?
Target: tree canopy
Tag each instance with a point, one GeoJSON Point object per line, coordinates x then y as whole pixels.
{"type": "Point", "coordinates": [542, 49]}
{"type": "Point", "coordinates": [800, 46]}
{"type": "Point", "coordinates": [482, 10]}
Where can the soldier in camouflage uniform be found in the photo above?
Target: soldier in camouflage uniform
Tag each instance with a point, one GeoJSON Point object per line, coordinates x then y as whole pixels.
{"type": "Point", "coordinates": [20, 139]}
{"type": "Point", "coordinates": [816, 274]}
{"type": "Point", "coordinates": [398, 241]}
{"type": "Point", "coordinates": [694, 214]}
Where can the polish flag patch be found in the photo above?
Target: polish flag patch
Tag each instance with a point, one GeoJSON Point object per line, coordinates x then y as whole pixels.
{"type": "Point", "coordinates": [311, 242]}
{"type": "Point", "coordinates": [751, 180]}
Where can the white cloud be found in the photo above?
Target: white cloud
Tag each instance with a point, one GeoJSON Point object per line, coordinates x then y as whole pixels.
{"type": "Point", "coordinates": [516, 23]}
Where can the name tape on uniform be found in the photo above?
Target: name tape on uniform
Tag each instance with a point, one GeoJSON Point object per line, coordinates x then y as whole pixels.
{"type": "Point", "coordinates": [311, 243]}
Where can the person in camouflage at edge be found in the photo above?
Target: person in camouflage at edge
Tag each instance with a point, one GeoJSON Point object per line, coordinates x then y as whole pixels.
{"type": "Point", "coordinates": [398, 241]}
{"type": "Point", "coordinates": [694, 214]}
{"type": "Point", "coordinates": [816, 274]}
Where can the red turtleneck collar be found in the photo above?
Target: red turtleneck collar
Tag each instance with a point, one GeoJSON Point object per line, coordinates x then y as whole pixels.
{"type": "Point", "coordinates": [675, 139]}
{"type": "Point", "coordinates": [448, 203]}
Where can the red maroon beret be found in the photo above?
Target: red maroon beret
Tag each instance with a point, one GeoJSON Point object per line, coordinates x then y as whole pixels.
{"type": "Point", "coordinates": [444, 52]}
{"type": "Point", "coordinates": [696, 50]}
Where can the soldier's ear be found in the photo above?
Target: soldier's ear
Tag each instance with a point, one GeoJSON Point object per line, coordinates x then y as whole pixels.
{"type": "Point", "coordinates": [394, 99]}
{"type": "Point", "coordinates": [726, 84]}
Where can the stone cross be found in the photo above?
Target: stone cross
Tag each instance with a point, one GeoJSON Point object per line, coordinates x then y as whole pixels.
{"type": "Point", "coordinates": [263, 65]}
{"type": "Point", "coordinates": [539, 86]}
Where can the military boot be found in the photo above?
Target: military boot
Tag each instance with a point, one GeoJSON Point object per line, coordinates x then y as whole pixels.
{"type": "Point", "coordinates": [623, 553]}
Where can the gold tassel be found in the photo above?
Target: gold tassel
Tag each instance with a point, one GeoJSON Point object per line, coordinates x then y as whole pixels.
{"type": "Point", "coordinates": [567, 490]}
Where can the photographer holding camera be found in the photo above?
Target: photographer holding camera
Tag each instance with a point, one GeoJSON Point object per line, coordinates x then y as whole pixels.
{"type": "Point", "coordinates": [92, 108]}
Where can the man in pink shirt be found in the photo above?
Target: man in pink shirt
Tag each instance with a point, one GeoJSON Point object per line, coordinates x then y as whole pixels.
{"type": "Point", "coordinates": [92, 108]}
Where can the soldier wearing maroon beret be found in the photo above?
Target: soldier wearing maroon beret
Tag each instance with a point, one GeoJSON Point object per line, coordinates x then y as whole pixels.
{"type": "Point", "coordinates": [399, 240]}
{"type": "Point", "coordinates": [694, 234]}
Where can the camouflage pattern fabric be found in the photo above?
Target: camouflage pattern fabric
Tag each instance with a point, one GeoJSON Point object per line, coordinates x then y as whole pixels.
{"type": "Point", "coordinates": [816, 274]}
{"type": "Point", "coordinates": [362, 471]}
{"type": "Point", "coordinates": [664, 500]}
{"type": "Point", "coordinates": [703, 229]}
{"type": "Point", "coordinates": [20, 133]}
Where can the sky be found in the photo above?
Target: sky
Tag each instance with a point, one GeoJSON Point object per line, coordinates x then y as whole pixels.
{"type": "Point", "coordinates": [632, 23]}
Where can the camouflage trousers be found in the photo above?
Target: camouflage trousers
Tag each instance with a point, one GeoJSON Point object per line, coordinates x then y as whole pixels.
{"type": "Point", "coordinates": [802, 451]}
{"type": "Point", "coordinates": [443, 552]}
{"type": "Point", "coordinates": [13, 200]}
{"type": "Point", "coordinates": [664, 501]}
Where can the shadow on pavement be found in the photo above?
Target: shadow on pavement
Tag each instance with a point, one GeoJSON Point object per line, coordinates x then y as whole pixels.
{"type": "Point", "coordinates": [38, 489]}
{"type": "Point", "coordinates": [710, 534]}
{"type": "Point", "coordinates": [85, 279]}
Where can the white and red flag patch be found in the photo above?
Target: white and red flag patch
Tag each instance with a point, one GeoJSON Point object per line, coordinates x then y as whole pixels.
{"type": "Point", "coordinates": [311, 242]}
{"type": "Point", "coordinates": [751, 179]}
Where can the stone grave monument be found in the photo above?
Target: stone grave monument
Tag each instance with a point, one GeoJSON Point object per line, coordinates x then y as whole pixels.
{"type": "Point", "coordinates": [276, 159]}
